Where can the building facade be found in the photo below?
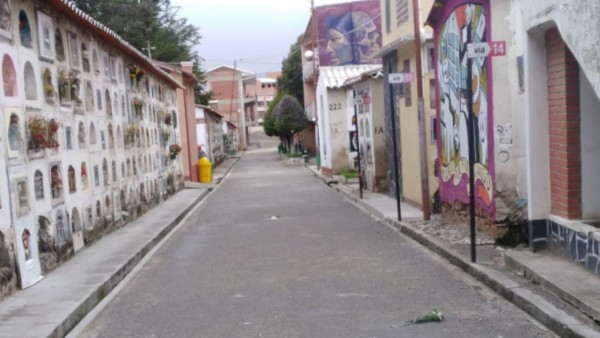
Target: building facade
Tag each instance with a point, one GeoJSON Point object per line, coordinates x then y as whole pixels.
{"type": "Point", "coordinates": [535, 113]}
{"type": "Point", "coordinates": [81, 136]}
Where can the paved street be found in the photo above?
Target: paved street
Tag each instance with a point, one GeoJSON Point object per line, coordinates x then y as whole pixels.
{"type": "Point", "coordinates": [273, 252]}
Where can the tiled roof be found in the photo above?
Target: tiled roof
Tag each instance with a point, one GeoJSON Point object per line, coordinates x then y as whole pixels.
{"type": "Point", "coordinates": [334, 77]}
{"type": "Point", "coordinates": [70, 9]}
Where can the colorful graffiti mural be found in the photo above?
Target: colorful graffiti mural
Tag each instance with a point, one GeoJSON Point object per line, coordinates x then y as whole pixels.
{"type": "Point", "coordinates": [464, 23]}
{"type": "Point", "coordinates": [349, 33]}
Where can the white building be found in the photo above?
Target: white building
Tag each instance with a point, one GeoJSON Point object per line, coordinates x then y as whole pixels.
{"type": "Point", "coordinates": [79, 139]}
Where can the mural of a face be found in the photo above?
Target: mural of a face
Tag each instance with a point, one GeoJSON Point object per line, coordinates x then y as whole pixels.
{"type": "Point", "coordinates": [338, 48]}
{"type": "Point", "coordinates": [366, 37]}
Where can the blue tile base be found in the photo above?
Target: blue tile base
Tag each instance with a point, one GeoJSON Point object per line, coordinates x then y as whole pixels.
{"type": "Point", "coordinates": [579, 247]}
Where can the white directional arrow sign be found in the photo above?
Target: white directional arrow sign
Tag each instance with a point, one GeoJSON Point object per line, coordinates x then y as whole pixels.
{"type": "Point", "coordinates": [483, 49]}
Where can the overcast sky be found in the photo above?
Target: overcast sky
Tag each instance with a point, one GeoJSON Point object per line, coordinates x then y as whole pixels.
{"type": "Point", "coordinates": [258, 31]}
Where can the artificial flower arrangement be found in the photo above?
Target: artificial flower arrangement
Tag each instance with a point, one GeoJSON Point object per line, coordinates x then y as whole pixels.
{"type": "Point", "coordinates": [131, 132]}
{"type": "Point", "coordinates": [167, 118]}
{"type": "Point", "coordinates": [137, 105]}
{"type": "Point", "coordinates": [174, 150]}
{"type": "Point", "coordinates": [166, 134]}
{"type": "Point", "coordinates": [42, 133]}
{"type": "Point", "coordinates": [135, 74]}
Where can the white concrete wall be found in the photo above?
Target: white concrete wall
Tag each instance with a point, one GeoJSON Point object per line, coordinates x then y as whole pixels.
{"type": "Point", "coordinates": [577, 22]}
{"type": "Point", "coordinates": [590, 149]}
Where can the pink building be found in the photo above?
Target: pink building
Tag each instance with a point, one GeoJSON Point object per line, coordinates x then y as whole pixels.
{"type": "Point", "coordinates": [186, 115]}
{"type": "Point", "coordinates": [229, 87]}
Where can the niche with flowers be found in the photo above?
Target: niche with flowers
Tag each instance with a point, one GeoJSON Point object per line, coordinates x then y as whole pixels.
{"type": "Point", "coordinates": [56, 183]}
{"type": "Point", "coordinates": [9, 76]}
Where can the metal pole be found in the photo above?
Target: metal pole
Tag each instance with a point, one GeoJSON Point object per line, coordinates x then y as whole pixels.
{"type": "Point", "coordinates": [470, 136]}
{"type": "Point", "coordinates": [393, 113]}
{"type": "Point", "coordinates": [360, 182]}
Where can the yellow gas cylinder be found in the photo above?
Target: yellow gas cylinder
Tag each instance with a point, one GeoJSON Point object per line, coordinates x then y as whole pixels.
{"type": "Point", "coordinates": [204, 170]}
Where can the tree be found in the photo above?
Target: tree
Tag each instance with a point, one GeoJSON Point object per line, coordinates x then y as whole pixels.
{"type": "Point", "coordinates": [289, 119]}
{"type": "Point", "coordinates": [269, 118]}
{"type": "Point", "coordinates": [291, 81]}
{"type": "Point", "coordinates": [153, 23]}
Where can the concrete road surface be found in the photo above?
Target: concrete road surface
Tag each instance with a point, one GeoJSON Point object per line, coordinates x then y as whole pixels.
{"type": "Point", "coordinates": [273, 252]}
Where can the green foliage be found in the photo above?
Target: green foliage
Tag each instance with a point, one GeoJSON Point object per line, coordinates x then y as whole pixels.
{"type": "Point", "coordinates": [269, 118]}
{"type": "Point", "coordinates": [289, 116]}
{"type": "Point", "coordinates": [291, 81]}
{"type": "Point", "coordinates": [349, 173]}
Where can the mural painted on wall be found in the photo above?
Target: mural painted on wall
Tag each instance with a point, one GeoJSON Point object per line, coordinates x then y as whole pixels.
{"type": "Point", "coordinates": [349, 33]}
{"type": "Point", "coordinates": [452, 37]}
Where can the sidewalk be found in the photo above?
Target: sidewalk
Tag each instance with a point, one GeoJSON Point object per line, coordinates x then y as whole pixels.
{"type": "Point", "coordinates": [568, 301]}
{"type": "Point", "coordinates": [53, 306]}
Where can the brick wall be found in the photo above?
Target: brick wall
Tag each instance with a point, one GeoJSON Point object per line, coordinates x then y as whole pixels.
{"type": "Point", "coordinates": [564, 127]}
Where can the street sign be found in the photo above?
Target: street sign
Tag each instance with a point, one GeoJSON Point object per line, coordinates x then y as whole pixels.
{"type": "Point", "coordinates": [483, 49]}
{"type": "Point", "coordinates": [400, 78]}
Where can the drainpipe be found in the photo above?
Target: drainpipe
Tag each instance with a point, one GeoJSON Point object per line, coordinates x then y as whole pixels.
{"type": "Point", "coordinates": [422, 142]}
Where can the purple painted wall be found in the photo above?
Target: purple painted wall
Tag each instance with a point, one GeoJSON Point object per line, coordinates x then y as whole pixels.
{"type": "Point", "coordinates": [349, 33]}
{"type": "Point", "coordinates": [458, 18]}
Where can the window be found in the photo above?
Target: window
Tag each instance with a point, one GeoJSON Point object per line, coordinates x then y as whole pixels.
{"type": "Point", "coordinates": [5, 18]}
{"type": "Point", "coordinates": [44, 34]}
{"type": "Point", "coordinates": [102, 140]}
{"type": "Point", "coordinates": [81, 136]}
{"type": "Point", "coordinates": [85, 58]}
{"type": "Point", "coordinates": [30, 85]}
{"type": "Point", "coordinates": [92, 134]}
{"type": "Point", "coordinates": [98, 211]}
{"type": "Point", "coordinates": [99, 99]}
{"type": "Point", "coordinates": [433, 129]}
{"type": "Point", "coordinates": [59, 45]}
{"type": "Point", "coordinates": [432, 100]}
{"type": "Point", "coordinates": [105, 172]}
{"type": "Point", "coordinates": [401, 11]}
{"type": "Point", "coordinates": [113, 67]}
{"type": "Point", "coordinates": [114, 171]}
{"type": "Point", "coordinates": [407, 86]}
{"type": "Point", "coordinates": [96, 176]}
{"type": "Point", "coordinates": [89, 97]}
{"type": "Point", "coordinates": [105, 66]}
{"type": "Point", "coordinates": [72, 180]}
{"type": "Point", "coordinates": [73, 50]}
{"type": "Point", "coordinates": [388, 16]}
{"type": "Point", "coordinates": [108, 103]}
{"type": "Point", "coordinates": [68, 139]}
{"type": "Point", "coordinates": [84, 176]}
{"type": "Point", "coordinates": [111, 141]}
{"type": "Point", "coordinates": [22, 196]}
{"type": "Point", "coordinates": [24, 29]}
{"type": "Point", "coordinates": [430, 62]}
{"type": "Point", "coordinates": [95, 63]}
{"type": "Point", "coordinates": [38, 185]}
{"type": "Point", "coordinates": [9, 76]}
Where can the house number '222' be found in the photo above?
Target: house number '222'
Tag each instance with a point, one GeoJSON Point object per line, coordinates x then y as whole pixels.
{"type": "Point", "coordinates": [335, 106]}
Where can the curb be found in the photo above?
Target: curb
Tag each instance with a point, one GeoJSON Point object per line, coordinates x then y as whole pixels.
{"type": "Point", "coordinates": [107, 286]}
{"type": "Point", "coordinates": [537, 307]}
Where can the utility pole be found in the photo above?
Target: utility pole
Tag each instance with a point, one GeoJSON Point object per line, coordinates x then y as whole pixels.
{"type": "Point", "coordinates": [422, 142]}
